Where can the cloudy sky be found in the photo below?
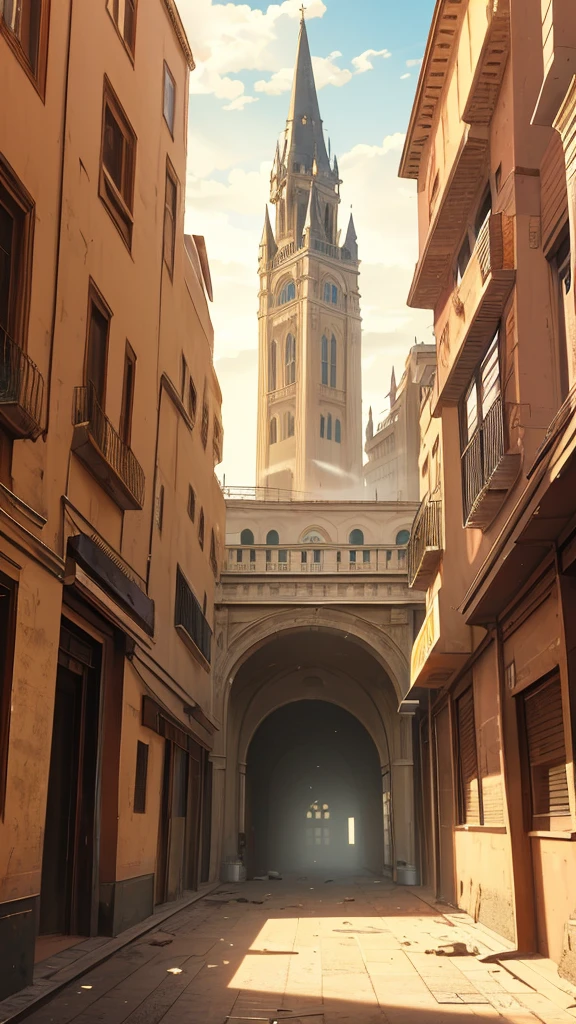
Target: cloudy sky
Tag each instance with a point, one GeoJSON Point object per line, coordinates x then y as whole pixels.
{"type": "Point", "coordinates": [367, 55]}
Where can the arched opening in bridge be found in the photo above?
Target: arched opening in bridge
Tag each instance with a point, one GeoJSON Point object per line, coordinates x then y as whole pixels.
{"type": "Point", "coordinates": [314, 800]}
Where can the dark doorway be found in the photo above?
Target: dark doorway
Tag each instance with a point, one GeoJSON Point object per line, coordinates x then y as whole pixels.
{"type": "Point", "coordinates": [445, 805]}
{"type": "Point", "coordinates": [179, 835]}
{"type": "Point", "coordinates": [314, 793]}
{"type": "Point", "coordinates": [68, 897]}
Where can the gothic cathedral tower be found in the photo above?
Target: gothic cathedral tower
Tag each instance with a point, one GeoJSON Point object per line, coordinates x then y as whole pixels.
{"type": "Point", "coordinates": [309, 391]}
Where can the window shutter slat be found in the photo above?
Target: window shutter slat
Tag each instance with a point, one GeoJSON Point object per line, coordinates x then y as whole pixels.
{"type": "Point", "coordinates": [470, 809]}
{"type": "Point", "coordinates": [547, 751]}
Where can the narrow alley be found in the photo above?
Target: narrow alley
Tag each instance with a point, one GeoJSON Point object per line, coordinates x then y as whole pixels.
{"type": "Point", "coordinates": [313, 951]}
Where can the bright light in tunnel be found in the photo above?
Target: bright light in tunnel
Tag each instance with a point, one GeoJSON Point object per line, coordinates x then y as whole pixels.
{"type": "Point", "coordinates": [351, 836]}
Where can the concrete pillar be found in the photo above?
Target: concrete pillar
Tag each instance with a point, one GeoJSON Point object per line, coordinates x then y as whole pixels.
{"type": "Point", "coordinates": [403, 811]}
{"type": "Point", "coordinates": [242, 797]}
{"type": "Point", "coordinates": [218, 795]}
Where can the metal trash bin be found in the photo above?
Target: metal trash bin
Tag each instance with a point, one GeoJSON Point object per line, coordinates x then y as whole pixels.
{"type": "Point", "coordinates": [406, 874]}
{"type": "Point", "coordinates": [233, 871]}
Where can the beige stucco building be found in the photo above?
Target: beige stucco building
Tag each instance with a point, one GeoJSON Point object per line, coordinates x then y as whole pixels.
{"type": "Point", "coordinates": [393, 446]}
{"type": "Point", "coordinates": [309, 371]}
{"type": "Point", "coordinates": [491, 147]}
{"type": "Point", "coordinates": [112, 521]}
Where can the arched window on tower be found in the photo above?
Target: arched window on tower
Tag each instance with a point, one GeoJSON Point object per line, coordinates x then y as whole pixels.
{"type": "Point", "coordinates": [288, 424]}
{"type": "Point", "coordinates": [322, 425]}
{"type": "Point", "coordinates": [290, 360]}
{"type": "Point", "coordinates": [403, 537]}
{"type": "Point", "coordinates": [329, 427]}
{"type": "Point", "coordinates": [356, 537]}
{"type": "Point", "coordinates": [272, 366]}
{"type": "Point", "coordinates": [329, 222]}
{"type": "Point", "coordinates": [338, 432]}
{"type": "Point", "coordinates": [331, 293]}
{"type": "Point", "coordinates": [333, 362]}
{"type": "Point", "coordinates": [287, 293]}
{"type": "Point", "coordinates": [273, 430]}
{"type": "Point", "coordinates": [324, 359]}
{"type": "Point", "coordinates": [246, 537]}
{"type": "Point", "coordinates": [272, 537]}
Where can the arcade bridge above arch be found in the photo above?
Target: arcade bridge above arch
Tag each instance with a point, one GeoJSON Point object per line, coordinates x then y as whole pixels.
{"type": "Point", "coordinates": [313, 605]}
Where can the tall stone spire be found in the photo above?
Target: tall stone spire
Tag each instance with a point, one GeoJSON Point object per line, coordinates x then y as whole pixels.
{"type": "Point", "coordinates": [304, 126]}
{"type": "Point", "coordinates": [351, 242]}
{"type": "Point", "coordinates": [268, 242]}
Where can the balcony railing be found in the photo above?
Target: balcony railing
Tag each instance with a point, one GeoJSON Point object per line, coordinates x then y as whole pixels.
{"type": "Point", "coordinates": [425, 546]}
{"type": "Point", "coordinates": [190, 620]}
{"type": "Point", "coordinates": [21, 390]}
{"type": "Point", "coordinates": [331, 558]}
{"type": "Point", "coordinates": [488, 471]}
{"type": "Point", "coordinates": [104, 452]}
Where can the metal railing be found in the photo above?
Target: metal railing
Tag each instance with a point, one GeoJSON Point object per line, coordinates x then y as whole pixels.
{"type": "Point", "coordinates": [188, 615]}
{"type": "Point", "coordinates": [249, 493]}
{"type": "Point", "coordinates": [426, 533]}
{"type": "Point", "coordinates": [22, 385]}
{"type": "Point", "coordinates": [482, 456]}
{"type": "Point", "coordinates": [115, 451]}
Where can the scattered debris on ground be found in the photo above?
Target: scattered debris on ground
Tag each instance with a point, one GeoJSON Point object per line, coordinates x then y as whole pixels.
{"type": "Point", "coordinates": [455, 949]}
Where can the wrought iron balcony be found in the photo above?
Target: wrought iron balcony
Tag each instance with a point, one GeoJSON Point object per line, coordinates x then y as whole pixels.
{"type": "Point", "coordinates": [21, 390]}
{"type": "Point", "coordinates": [425, 546]}
{"type": "Point", "coordinates": [104, 453]}
{"type": "Point", "coordinates": [488, 470]}
{"type": "Point", "coordinates": [190, 621]}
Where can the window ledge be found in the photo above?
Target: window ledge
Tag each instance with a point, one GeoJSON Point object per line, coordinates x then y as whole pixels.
{"type": "Point", "coordinates": [569, 836]}
{"type": "Point", "coordinates": [497, 830]}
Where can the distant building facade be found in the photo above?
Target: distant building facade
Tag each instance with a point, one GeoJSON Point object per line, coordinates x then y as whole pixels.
{"type": "Point", "coordinates": [491, 145]}
{"type": "Point", "coordinates": [309, 366]}
{"type": "Point", "coordinates": [392, 448]}
{"type": "Point", "coordinates": [112, 518]}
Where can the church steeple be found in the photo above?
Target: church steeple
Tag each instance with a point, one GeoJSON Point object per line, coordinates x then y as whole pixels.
{"type": "Point", "coordinates": [304, 135]}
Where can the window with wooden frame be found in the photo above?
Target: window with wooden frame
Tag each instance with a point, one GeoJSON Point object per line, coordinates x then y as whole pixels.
{"type": "Point", "coordinates": [192, 400]}
{"type": "Point", "coordinates": [205, 422]}
{"type": "Point", "coordinates": [142, 750]}
{"type": "Point", "coordinates": [213, 558]}
{"type": "Point", "coordinates": [183, 376]}
{"type": "Point", "coordinates": [469, 796]}
{"type": "Point", "coordinates": [24, 25]}
{"type": "Point", "coordinates": [16, 243]}
{"type": "Point", "coordinates": [217, 441]}
{"type": "Point", "coordinates": [123, 14]}
{"type": "Point", "coordinates": [191, 503]}
{"type": "Point", "coordinates": [127, 394]}
{"type": "Point", "coordinates": [8, 593]}
{"type": "Point", "coordinates": [117, 164]}
{"type": "Point", "coordinates": [170, 207]}
{"type": "Point", "coordinates": [169, 98]}
{"type": "Point", "coordinates": [482, 427]}
{"type": "Point", "coordinates": [545, 757]}
{"type": "Point", "coordinates": [99, 316]}
{"type": "Point", "coordinates": [201, 529]}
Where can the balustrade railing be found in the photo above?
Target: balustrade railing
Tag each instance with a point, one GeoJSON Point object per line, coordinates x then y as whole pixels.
{"type": "Point", "coordinates": [426, 534]}
{"type": "Point", "coordinates": [482, 456]}
{"type": "Point", "coordinates": [328, 559]}
{"type": "Point", "coordinates": [21, 387]}
{"type": "Point", "coordinates": [121, 459]}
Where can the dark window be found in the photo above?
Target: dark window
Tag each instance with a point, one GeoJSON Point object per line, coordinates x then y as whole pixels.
{"type": "Point", "coordinates": [213, 558]}
{"type": "Point", "coordinates": [192, 400]}
{"type": "Point", "coordinates": [324, 359]}
{"type": "Point", "coordinates": [142, 750]}
{"type": "Point", "coordinates": [290, 368]}
{"type": "Point", "coordinates": [239, 554]}
{"type": "Point", "coordinates": [322, 425]}
{"type": "Point", "coordinates": [205, 423]}
{"type": "Point", "coordinates": [287, 294]}
{"type": "Point", "coordinates": [356, 537]}
{"type": "Point", "coordinates": [8, 591]}
{"type": "Point", "coordinates": [183, 376]}
{"type": "Point", "coordinates": [127, 394]}
{"type": "Point", "coordinates": [217, 441]}
{"type": "Point", "coordinates": [333, 362]}
{"type": "Point", "coordinates": [273, 537]}
{"type": "Point", "coordinates": [97, 345]}
{"type": "Point", "coordinates": [482, 428]}
{"type": "Point", "coordinates": [316, 557]}
{"type": "Point", "coordinates": [561, 267]}
{"type": "Point", "coordinates": [273, 430]}
{"type": "Point", "coordinates": [124, 16]}
{"type": "Point", "coordinates": [246, 537]}
{"type": "Point", "coordinates": [303, 557]}
{"type": "Point", "coordinates": [403, 537]}
{"type": "Point", "coordinates": [118, 163]}
{"type": "Point", "coordinates": [469, 808]}
{"type": "Point", "coordinates": [170, 202]}
{"type": "Point", "coordinates": [329, 427]}
{"type": "Point", "coordinates": [484, 211]}
{"type": "Point", "coordinates": [366, 557]}
{"type": "Point", "coordinates": [191, 503]}
{"type": "Point", "coordinates": [283, 557]}
{"type": "Point", "coordinates": [546, 756]}
{"type": "Point", "coordinates": [24, 23]}
{"type": "Point", "coordinates": [169, 105]}
{"type": "Point", "coordinates": [201, 529]}
{"type": "Point", "coordinates": [288, 424]}
{"type": "Point", "coordinates": [16, 227]}
{"type": "Point", "coordinates": [190, 617]}
{"type": "Point", "coordinates": [338, 432]}
{"type": "Point", "coordinates": [252, 555]}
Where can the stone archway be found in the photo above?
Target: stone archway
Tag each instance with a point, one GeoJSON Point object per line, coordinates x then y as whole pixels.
{"type": "Point", "coordinates": [312, 654]}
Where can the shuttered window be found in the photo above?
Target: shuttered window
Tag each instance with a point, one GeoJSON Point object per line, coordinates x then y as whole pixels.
{"type": "Point", "coordinates": [141, 778]}
{"type": "Point", "coordinates": [546, 752]}
{"type": "Point", "coordinates": [554, 193]}
{"type": "Point", "coordinates": [469, 792]}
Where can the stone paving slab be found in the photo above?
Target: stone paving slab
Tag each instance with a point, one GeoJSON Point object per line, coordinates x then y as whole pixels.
{"type": "Point", "coordinates": [349, 953]}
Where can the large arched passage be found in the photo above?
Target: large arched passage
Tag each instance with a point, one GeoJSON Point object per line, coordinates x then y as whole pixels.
{"type": "Point", "coordinates": [313, 793]}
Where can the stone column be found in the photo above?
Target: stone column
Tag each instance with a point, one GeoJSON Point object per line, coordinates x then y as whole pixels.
{"type": "Point", "coordinates": [242, 796]}
{"type": "Point", "coordinates": [218, 797]}
{"type": "Point", "coordinates": [405, 870]}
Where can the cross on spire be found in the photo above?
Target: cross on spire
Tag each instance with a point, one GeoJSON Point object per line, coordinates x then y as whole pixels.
{"type": "Point", "coordinates": [302, 12]}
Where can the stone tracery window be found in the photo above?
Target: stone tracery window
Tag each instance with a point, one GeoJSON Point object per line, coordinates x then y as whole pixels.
{"type": "Point", "coordinates": [287, 293]}
{"type": "Point", "coordinates": [290, 360]}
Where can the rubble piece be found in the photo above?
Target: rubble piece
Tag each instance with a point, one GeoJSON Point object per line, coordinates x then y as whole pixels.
{"type": "Point", "coordinates": [274, 876]}
{"type": "Point", "coordinates": [260, 878]}
{"type": "Point", "coordinates": [160, 942]}
{"type": "Point", "coordinates": [349, 899]}
{"type": "Point", "coordinates": [454, 949]}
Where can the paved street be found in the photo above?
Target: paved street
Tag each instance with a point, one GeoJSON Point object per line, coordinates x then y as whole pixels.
{"type": "Point", "coordinates": [317, 952]}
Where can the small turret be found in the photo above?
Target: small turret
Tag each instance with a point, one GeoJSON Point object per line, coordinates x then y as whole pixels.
{"type": "Point", "coordinates": [268, 247]}
{"type": "Point", "coordinates": [370, 426]}
{"type": "Point", "coordinates": [351, 242]}
{"type": "Point", "coordinates": [393, 388]}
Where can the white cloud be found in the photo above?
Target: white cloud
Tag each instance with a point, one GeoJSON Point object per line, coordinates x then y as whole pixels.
{"type": "Point", "coordinates": [414, 63]}
{"type": "Point", "coordinates": [279, 82]}
{"type": "Point", "coordinates": [364, 63]}
{"type": "Point", "coordinates": [407, 75]}
{"type": "Point", "coordinates": [240, 102]}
